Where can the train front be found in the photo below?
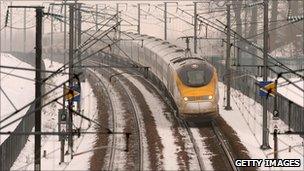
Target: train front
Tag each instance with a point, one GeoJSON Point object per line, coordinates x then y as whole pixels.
{"type": "Point", "coordinates": [197, 86]}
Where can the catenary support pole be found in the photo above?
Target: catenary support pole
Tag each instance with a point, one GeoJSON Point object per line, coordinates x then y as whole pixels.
{"type": "Point", "coordinates": [96, 15]}
{"type": "Point", "coordinates": [265, 135]}
{"type": "Point", "coordinates": [275, 144]}
{"type": "Point", "coordinates": [64, 32]}
{"type": "Point", "coordinates": [38, 89]}
{"type": "Point", "coordinates": [52, 34]}
{"type": "Point", "coordinates": [165, 21]}
{"type": "Point", "coordinates": [79, 17]}
{"type": "Point", "coordinates": [71, 72]}
{"type": "Point", "coordinates": [11, 28]}
{"type": "Point", "coordinates": [228, 70]}
{"type": "Point", "coordinates": [195, 28]}
{"type": "Point", "coordinates": [138, 18]}
{"type": "Point", "coordinates": [61, 10]}
{"type": "Point", "coordinates": [24, 30]}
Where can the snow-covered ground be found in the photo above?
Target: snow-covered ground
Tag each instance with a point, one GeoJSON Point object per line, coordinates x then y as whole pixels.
{"type": "Point", "coordinates": [50, 144]}
{"type": "Point", "coordinates": [291, 92]}
{"type": "Point", "coordinates": [246, 120]}
{"type": "Point", "coordinates": [163, 126]}
{"type": "Point", "coordinates": [13, 88]}
{"type": "Point", "coordinates": [117, 126]}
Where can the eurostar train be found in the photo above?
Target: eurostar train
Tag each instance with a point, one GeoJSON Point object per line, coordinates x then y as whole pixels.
{"type": "Point", "coordinates": [191, 81]}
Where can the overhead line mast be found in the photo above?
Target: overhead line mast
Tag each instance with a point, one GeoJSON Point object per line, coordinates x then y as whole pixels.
{"type": "Point", "coordinates": [265, 133]}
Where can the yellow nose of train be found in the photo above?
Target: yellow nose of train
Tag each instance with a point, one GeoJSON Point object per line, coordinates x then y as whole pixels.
{"type": "Point", "coordinates": [198, 99]}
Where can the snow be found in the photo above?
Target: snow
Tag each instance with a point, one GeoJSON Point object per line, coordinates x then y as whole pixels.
{"type": "Point", "coordinates": [163, 126]}
{"type": "Point", "coordinates": [51, 144]}
{"type": "Point", "coordinates": [119, 124]}
{"type": "Point", "coordinates": [168, 140]}
{"type": "Point", "coordinates": [291, 92]}
{"type": "Point", "coordinates": [246, 120]}
{"type": "Point", "coordinates": [204, 152]}
{"type": "Point", "coordinates": [13, 88]}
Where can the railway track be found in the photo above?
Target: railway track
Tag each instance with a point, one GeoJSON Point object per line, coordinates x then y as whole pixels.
{"type": "Point", "coordinates": [138, 125]}
{"type": "Point", "coordinates": [223, 145]}
{"type": "Point", "coordinates": [193, 141]}
{"type": "Point", "coordinates": [112, 109]}
{"type": "Point", "coordinates": [135, 111]}
{"type": "Point", "coordinates": [182, 123]}
{"type": "Point", "coordinates": [209, 129]}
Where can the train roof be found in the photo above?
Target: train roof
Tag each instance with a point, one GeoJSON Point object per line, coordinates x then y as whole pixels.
{"type": "Point", "coordinates": [171, 53]}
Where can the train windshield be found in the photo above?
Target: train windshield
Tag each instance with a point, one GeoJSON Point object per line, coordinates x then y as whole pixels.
{"type": "Point", "coordinates": [196, 75]}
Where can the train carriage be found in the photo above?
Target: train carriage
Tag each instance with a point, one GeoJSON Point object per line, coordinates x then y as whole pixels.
{"type": "Point", "coordinates": [191, 81]}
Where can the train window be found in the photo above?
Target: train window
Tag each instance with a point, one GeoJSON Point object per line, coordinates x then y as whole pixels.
{"type": "Point", "coordinates": [195, 75]}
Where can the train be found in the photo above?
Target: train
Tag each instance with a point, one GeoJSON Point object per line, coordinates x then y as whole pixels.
{"type": "Point", "coordinates": [191, 80]}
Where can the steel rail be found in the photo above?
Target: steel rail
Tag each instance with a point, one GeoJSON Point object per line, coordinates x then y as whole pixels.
{"type": "Point", "coordinates": [195, 146]}
{"type": "Point", "coordinates": [182, 123]}
{"type": "Point", "coordinates": [136, 113]}
{"type": "Point", "coordinates": [138, 125]}
{"type": "Point", "coordinates": [112, 153]}
{"type": "Point", "coordinates": [224, 146]}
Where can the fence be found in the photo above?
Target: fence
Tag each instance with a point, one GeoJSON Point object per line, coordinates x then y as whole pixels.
{"type": "Point", "coordinates": [13, 145]}
{"type": "Point", "coordinates": [292, 114]}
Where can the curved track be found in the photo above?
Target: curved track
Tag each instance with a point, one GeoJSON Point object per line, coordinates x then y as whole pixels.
{"type": "Point", "coordinates": [181, 122]}
{"type": "Point", "coordinates": [138, 125]}
{"type": "Point", "coordinates": [112, 109]}
{"type": "Point", "coordinates": [223, 145]}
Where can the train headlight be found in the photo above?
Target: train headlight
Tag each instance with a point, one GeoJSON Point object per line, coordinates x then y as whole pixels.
{"type": "Point", "coordinates": [186, 98]}
{"type": "Point", "coordinates": [210, 97]}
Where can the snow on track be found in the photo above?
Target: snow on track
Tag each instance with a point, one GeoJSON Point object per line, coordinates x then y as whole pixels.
{"type": "Point", "coordinates": [163, 126]}
{"type": "Point", "coordinates": [119, 160]}
{"type": "Point", "coordinates": [204, 152]}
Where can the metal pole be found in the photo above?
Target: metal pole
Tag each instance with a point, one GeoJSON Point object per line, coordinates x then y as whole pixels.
{"type": "Point", "coordinates": [165, 21]}
{"type": "Point", "coordinates": [228, 49]}
{"type": "Point", "coordinates": [5, 39]}
{"type": "Point", "coordinates": [138, 18]}
{"type": "Point", "coordinates": [275, 106]}
{"type": "Point", "coordinates": [96, 14]}
{"type": "Point", "coordinates": [302, 63]}
{"type": "Point", "coordinates": [265, 141]}
{"type": "Point", "coordinates": [0, 64]}
{"type": "Point", "coordinates": [79, 32]}
{"type": "Point", "coordinates": [118, 18]}
{"type": "Point", "coordinates": [62, 149]}
{"type": "Point", "coordinates": [303, 153]}
{"type": "Point", "coordinates": [71, 72]}
{"type": "Point", "coordinates": [24, 31]}
{"type": "Point", "coordinates": [195, 28]}
{"type": "Point", "coordinates": [0, 48]}
{"type": "Point", "coordinates": [52, 34]}
{"type": "Point", "coordinates": [64, 34]}
{"type": "Point", "coordinates": [62, 138]}
{"type": "Point", "coordinates": [275, 140]}
{"type": "Point", "coordinates": [75, 24]}
{"type": "Point", "coordinates": [61, 10]}
{"type": "Point", "coordinates": [38, 85]}
{"type": "Point", "coordinates": [11, 27]}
